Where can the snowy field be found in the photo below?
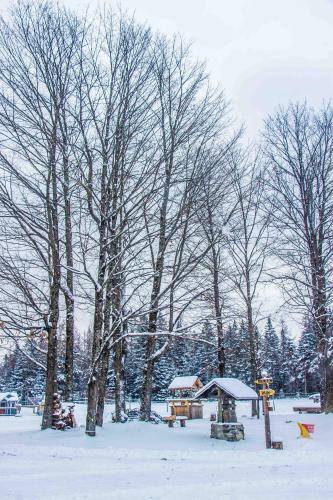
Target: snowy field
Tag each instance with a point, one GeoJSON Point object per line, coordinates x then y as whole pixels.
{"type": "Point", "coordinates": [143, 461]}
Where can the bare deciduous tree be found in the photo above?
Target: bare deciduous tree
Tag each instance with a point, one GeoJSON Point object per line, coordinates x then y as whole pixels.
{"type": "Point", "coordinates": [299, 145]}
{"type": "Point", "coordinates": [36, 50]}
{"type": "Point", "coordinates": [188, 117]}
{"type": "Point", "coordinates": [248, 243]}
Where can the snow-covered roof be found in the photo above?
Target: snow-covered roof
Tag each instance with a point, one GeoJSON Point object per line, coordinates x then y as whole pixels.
{"type": "Point", "coordinates": [8, 396]}
{"type": "Point", "coordinates": [189, 382]}
{"type": "Point", "coordinates": [231, 386]}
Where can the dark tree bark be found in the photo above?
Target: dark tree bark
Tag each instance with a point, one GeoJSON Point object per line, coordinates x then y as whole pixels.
{"type": "Point", "coordinates": [51, 367]}
{"type": "Point", "coordinates": [69, 290]}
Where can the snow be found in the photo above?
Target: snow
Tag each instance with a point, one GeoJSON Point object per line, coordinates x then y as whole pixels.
{"type": "Point", "coordinates": [9, 396]}
{"type": "Point", "coordinates": [183, 382]}
{"type": "Point", "coordinates": [232, 386]}
{"type": "Point", "coordinates": [146, 461]}
{"type": "Point", "coordinates": [315, 397]}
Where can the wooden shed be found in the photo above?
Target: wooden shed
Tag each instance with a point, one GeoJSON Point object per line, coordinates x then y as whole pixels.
{"type": "Point", "coordinates": [8, 403]}
{"type": "Point", "coordinates": [182, 403]}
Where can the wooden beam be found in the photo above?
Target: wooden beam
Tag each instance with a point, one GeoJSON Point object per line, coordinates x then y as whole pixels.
{"type": "Point", "coordinates": [219, 406]}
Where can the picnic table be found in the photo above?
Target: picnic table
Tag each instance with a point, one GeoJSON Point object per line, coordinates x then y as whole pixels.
{"type": "Point", "coordinates": [171, 419]}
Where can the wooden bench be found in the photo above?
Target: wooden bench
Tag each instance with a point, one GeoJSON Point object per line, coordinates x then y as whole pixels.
{"type": "Point", "coordinates": [308, 409]}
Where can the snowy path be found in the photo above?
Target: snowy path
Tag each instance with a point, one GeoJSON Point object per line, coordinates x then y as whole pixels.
{"type": "Point", "coordinates": [146, 461]}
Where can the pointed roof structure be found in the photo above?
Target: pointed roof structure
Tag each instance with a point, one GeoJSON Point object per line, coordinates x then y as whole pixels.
{"type": "Point", "coordinates": [8, 396]}
{"type": "Point", "coordinates": [233, 387]}
{"type": "Point", "coordinates": [191, 382]}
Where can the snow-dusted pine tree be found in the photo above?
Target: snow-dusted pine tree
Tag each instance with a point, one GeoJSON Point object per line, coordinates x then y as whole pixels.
{"type": "Point", "coordinates": [288, 366]}
{"type": "Point", "coordinates": [308, 365]}
{"type": "Point", "coordinates": [271, 354]}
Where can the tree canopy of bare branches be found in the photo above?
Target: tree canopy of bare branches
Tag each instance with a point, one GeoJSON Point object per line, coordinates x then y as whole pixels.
{"type": "Point", "coordinates": [299, 146]}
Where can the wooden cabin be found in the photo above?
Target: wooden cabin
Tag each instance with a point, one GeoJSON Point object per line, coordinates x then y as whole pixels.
{"type": "Point", "coordinates": [226, 390]}
{"type": "Point", "coordinates": [8, 403]}
{"type": "Point", "coordinates": [182, 402]}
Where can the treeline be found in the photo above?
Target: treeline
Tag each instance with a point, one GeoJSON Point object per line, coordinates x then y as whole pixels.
{"type": "Point", "coordinates": [127, 195]}
{"type": "Point", "coordinates": [292, 364]}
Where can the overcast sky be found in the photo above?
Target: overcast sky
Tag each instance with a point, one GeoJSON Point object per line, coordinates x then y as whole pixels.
{"type": "Point", "coordinates": [262, 52]}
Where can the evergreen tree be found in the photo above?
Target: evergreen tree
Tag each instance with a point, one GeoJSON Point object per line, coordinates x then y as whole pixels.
{"type": "Point", "coordinates": [308, 366]}
{"type": "Point", "coordinates": [21, 374]}
{"type": "Point", "coordinates": [164, 373]}
{"type": "Point", "coordinates": [198, 357]}
{"type": "Point", "coordinates": [206, 354]}
{"type": "Point", "coordinates": [82, 356]}
{"type": "Point", "coordinates": [242, 349]}
{"type": "Point", "coordinates": [6, 370]}
{"type": "Point", "coordinates": [135, 359]}
{"type": "Point", "coordinates": [271, 354]}
{"type": "Point", "coordinates": [238, 352]}
{"type": "Point", "coordinates": [230, 352]}
{"type": "Point", "coordinates": [288, 367]}
{"type": "Point", "coordinates": [180, 356]}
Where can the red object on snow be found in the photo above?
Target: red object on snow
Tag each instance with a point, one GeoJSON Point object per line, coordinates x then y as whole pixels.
{"type": "Point", "coordinates": [309, 427]}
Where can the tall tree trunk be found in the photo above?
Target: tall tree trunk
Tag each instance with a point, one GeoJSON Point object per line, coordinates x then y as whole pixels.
{"type": "Point", "coordinates": [118, 356]}
{"type": "Point", "coordinates": [52, 206]}
{"type": "Point", "coordinates": [102, 384]}
{"type": "Point", "coordinates": [148, 369]}
{"type": "Point", "coordinates": [218, 316]}
{"type": "Point", "coordinates": [147, 386]}
{"type": "Point", "coordinates": [69, 293]}
{"type": "Point", "coordinates": [253, 347]}
{"type": "Point", "coordinates": [92, 394]}
{"type": "Point", "coordinates": [99, 296]}
{"type": "Point", "coordinates": [145, 407]}
{"type": "Point", "coordinates": [118, 378]}
{"type": "Point", "coordinates": [323, 332]}
{"type": "Point", "coordinates": [51, 367]}
{"type": "Point", "coordinates": [118, 342]}
{"type": "Point", "coordinates": [325, 357]}
{"type": "Point", "coordinates": [96, 344]}
{"type": "Point", "coordinates": [105, 361]}
{"type": "Point", "coordinates": [250, 323]}
{"type": "Point", "coordinates": [69, 355]}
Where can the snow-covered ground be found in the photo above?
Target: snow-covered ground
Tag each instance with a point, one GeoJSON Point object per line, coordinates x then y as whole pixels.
{"type": "Point", "coordinates": [143, 461]}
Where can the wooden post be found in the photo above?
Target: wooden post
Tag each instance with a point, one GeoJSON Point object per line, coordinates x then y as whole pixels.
{"type": "Point", "coordinates": [267, 423]}
{"type": "Point", "coordinates": [219, 406]}
{"type": "Point", "coordinates": [265, 393]}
